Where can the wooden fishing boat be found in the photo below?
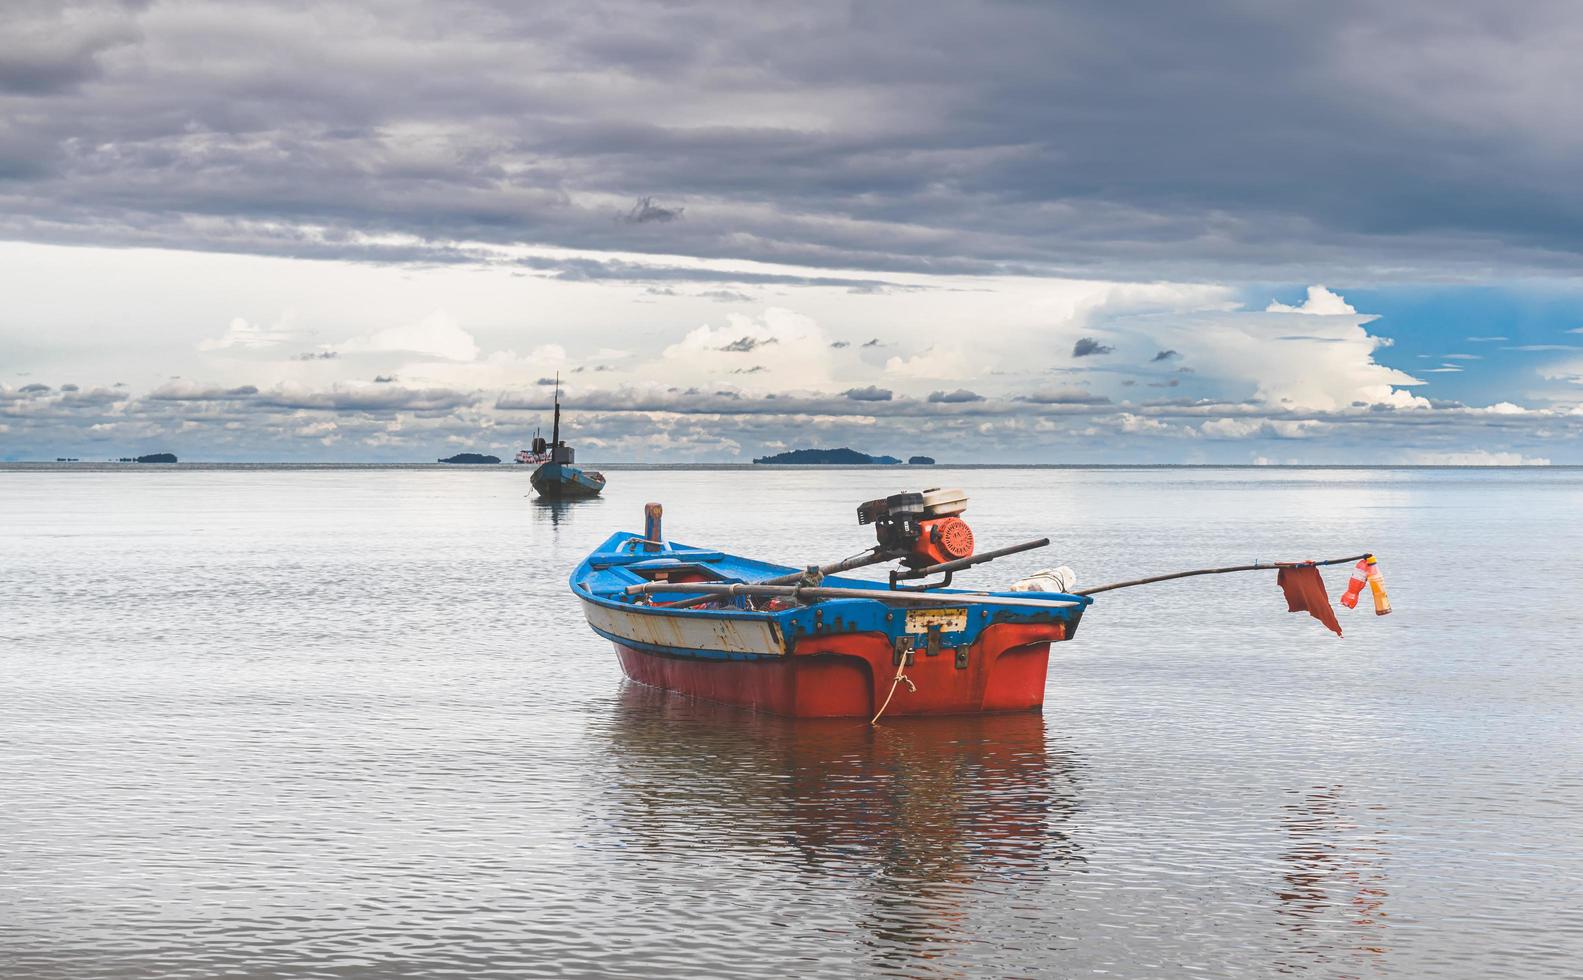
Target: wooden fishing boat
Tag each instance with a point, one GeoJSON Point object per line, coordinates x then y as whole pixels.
{"type": "Point", "coordinates": [557, 478]}
{"type": "Point", "coordinates": [964, 652]}
{"type": "Point", "coordinates": [753, 633]}
{"type": "Point", "coordinates": [815, 643]}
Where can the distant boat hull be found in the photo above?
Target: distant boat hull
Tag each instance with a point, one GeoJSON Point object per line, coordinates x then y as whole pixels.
{"type": "Point", "coordinates": [835, 659]}
{"type": "Point", "coordinates": [561, 481]}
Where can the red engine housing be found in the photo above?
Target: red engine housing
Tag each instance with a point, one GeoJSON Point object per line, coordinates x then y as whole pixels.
{"type": "Point", "coordinates": [942, 539]}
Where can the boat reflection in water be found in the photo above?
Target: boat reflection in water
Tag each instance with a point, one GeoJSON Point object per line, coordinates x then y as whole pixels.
{"type": "Point", "coordinates": [919, 810]}
{"type": "Point", "coordinates": [1332, 893]}
{"type": "Point", "coordinates": [558, 509]}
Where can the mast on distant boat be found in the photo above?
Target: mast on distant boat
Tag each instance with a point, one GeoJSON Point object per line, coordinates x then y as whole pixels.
{"type": "Point", "coordinates": [555, 433]}
{"type": "Point", "coordinates": [560, 452]}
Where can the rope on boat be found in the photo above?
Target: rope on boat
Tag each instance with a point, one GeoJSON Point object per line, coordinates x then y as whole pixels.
{"type": "Point", "coordinates": [901, 665]}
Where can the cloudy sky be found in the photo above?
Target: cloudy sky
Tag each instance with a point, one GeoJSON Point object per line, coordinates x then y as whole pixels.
{"type": "Point", "coordinates": [1022, 232]}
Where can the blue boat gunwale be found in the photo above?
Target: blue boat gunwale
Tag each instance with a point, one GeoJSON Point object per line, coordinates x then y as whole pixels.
{"type": "Point", "coordinates": [670, 549]}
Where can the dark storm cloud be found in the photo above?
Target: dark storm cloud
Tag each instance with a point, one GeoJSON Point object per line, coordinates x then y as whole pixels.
{"type": "Point", "coordinates": [382, 399]}
{"type": "Point", "coordinates": [1165, 355]}
{"type": "Point", "coordinates": [96, 397]}
{"type": "Point", "coordinates": [1179, 139]}
{"type": "Point", "coordinates": [1063, 396]}
{"type": "Point", "coordinates": [957, 397]}
{"type": "Point", "coordinates": [591, 400]}
{"type": "Point", "coordinates": [1088, 347]}
{"type": "Point", "coordinates": [646, 211]}
{"type": "Point", "coordinates": [781, 404]}
{"type": "Point", "coordinates": [46, 55]}
{"type": "Point", "coordinates": [583, 269]}
{"type": "Point", "coordinates": [385, 398]}
{"type": "Point", "coordinates": [183, 392]}
{"type": "Point", "coordinates": [744, 345]}
{"type": "Point", "coordinates": [871, 393]}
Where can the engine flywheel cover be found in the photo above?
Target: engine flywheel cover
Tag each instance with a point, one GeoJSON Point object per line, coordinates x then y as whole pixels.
{"type": "Point", "coordinates": [956, 538]}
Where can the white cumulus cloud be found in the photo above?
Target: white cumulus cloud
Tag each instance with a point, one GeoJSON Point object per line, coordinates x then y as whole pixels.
{"type": "Point", "coordinates": [245, 334]}
{"type": "Point", "coordinates": [935, 363]}
{"type": "Point", "coordinates": [1267, 428]}
{"type": "Point", "coordinates": [1317, 356]}
{"type": "Point", "coordinates": [436, 335]}
{"type": "Point", "coordinates": [779, 349]}
{"type": "Point", "coordinates": [1320, 302]}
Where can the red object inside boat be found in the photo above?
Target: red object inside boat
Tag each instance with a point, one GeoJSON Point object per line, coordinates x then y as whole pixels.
{"type": "Point", "coordinates": [683, 575]}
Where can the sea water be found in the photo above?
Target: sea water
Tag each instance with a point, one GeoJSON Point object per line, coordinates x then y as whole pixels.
{"type": "Point", "coordinates": [264, 722]}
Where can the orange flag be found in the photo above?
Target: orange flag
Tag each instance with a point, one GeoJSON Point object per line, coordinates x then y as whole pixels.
{"type": "Point", "coordinates": [1305, 592]}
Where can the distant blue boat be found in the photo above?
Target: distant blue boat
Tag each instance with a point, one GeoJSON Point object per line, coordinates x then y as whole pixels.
{"type": "Point", "coordinates": [558, 479]}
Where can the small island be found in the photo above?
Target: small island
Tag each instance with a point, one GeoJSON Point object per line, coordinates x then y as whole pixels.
{"type": "Point", "coordinates": [153, 458]}
{"type": "Point", "coordinates": [828, 457]}
{"type": "Point", "coordinates": [474, 458]}
{"type": "Point", "coordinates": [920, 461]}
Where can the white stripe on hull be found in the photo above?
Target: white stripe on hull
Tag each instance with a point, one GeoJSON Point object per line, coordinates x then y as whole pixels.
{"type": "Point", "coordinates": [730, 634]}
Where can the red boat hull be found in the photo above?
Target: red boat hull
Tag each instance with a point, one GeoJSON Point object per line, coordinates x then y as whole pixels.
{"type": "Point", "coordinates": [849, 675]}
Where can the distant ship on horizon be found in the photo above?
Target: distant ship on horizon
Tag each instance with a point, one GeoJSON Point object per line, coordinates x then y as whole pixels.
{"type": "Point", "coordinates": [535, 456]}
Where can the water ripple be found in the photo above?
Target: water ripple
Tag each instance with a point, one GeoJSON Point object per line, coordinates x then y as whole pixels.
{"type": "Point", "coordinates": [348, 724]}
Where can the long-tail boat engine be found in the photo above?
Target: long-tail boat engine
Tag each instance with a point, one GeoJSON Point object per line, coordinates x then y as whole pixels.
{"type": "Point", "coordinates": [920, 529]}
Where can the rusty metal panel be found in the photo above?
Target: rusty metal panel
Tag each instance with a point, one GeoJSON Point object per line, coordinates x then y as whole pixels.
{"type": "Point", "coordinates": [947, 620]}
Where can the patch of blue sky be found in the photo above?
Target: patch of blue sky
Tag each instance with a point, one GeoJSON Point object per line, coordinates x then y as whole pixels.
{"type": "Point", "coordinates": [1499, 336]}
